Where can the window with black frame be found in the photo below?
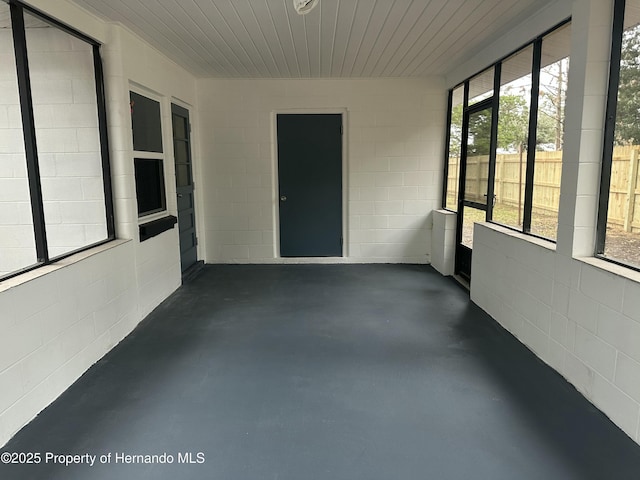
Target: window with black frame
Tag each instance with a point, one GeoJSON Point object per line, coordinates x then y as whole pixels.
{"type": "Point", "coordinates": [146, 123]}
{"type": "Point", "coordinates": [529, 107]}
{"type": "Point", "coordinates": [55, 187]}
{"type": "Point", "coordinates": [619, 212]}
{"type": "Point", "coordinates": [452, 167]}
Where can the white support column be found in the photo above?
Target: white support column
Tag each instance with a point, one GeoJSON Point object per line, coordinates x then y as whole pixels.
{"type": "Point", "coordinates": [584, 126]}
{"type": "Point", "coordinates": [443, 241]}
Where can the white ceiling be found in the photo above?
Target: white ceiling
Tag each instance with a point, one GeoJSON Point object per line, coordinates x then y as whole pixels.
{"type": "Point", "coordinates": [340, 38]}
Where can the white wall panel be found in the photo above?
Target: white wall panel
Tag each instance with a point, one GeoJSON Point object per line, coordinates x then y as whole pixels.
{"type": "Point", "coordinates": [59, 320]}
{"type": "Point", "coordinates": [390, 154]}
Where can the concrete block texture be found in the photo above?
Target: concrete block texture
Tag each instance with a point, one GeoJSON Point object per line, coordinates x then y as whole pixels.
{"type": "Point", "coordinates": [594, 346]}
{"type": "Point", "coordinates": [594, 329]}
{"type": "Point", "coordinates": [66, 122]}
{"type": "Point", "coordinates": [393, 157]}
{"type": "Point", "coordinates": [443, 241]}
{"type": "Point", "coordinates": [60, 319]}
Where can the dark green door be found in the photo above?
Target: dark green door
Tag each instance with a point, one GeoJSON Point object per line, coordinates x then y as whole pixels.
{"type": "Point", "coordinates": [310, 184]}
{"type": "Point", "coordinates": [184, 186]}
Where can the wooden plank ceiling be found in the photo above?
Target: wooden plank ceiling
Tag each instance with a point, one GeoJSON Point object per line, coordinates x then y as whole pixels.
{"type": "Point", "coordinates": [339, 38]}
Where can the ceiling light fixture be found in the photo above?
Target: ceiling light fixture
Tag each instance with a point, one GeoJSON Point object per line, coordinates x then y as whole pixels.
{"type": "Point", "coordinates": [304, 6]}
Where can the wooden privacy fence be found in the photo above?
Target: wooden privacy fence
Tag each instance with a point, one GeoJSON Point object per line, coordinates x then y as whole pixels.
{"type": "Point", "coordinates": [624, 199]}
{"type": "Point", "coordinates": [624, 196]}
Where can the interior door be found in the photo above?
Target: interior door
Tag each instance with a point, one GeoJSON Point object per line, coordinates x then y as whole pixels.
{"type": "Point", "coordinates": [184, 186]}
{"type": "Point", "coordinates": [310, 184]}
{"type": "Point", "coordinates": [474, 180]}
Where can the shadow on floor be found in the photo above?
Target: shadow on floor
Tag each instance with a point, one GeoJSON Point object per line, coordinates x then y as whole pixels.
{"type": "Point", "coordinates": [325, 372]}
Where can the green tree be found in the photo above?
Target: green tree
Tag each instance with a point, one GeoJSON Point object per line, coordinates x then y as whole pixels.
{"type": "Point", "coordinates": [480, 133]}
{"type": "Point", "coordinates": [513, 122]}
{"type": "Point", "coordinates": [628, 112]}
{"type": "Point", "coordinates": [455, 131]}
{"type": "Point", "coordinates": [513, 127]}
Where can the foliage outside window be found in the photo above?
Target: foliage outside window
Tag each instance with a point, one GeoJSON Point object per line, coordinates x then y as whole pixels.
{"type": "Point", "coordinates": [455, 144]}
{"type": "Point", "coordinates": [528, 150]}
{"type": "Point", "coordinates": [554, 70]}
{"type": "Point", "coordinates": [619, 213]}
{"type": "Point", "coordinates": [513, 132]}
{"type": "Point", "coordinates": [55, 190]}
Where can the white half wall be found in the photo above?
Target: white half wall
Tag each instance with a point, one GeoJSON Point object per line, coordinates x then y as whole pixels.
{"type": "Point", "coordinates": [579, 314]}
{"type": "Point", "coordinates": [56, 321]}
{"type": "Point", "coordinates": [443, 244]}
{"type": "Point", "coordinates": [55, 325]}
{"type": "Point", "coordinates": [578, 317]}
{"type": "Point", "coordinates": [394, 134]}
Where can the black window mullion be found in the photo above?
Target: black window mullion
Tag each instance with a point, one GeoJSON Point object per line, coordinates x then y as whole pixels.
{"type": "Point", "coordinates": [610, 123]}
{"type": "Point", "coordinates": [462, 172]}
{"type": "Point", "coordinates": [29, 131]}
{"type": "Point", "coordinates": [104, 141]}
{"type": "Point", "coordinates": [531, 141]}
{"type": "Point", "coordinates": [494, 140]}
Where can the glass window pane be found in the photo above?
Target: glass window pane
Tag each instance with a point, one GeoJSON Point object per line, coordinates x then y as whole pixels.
{"type": "Point", "coordinates": [181, 151]}
{"type": "Point", "coordinates": [149, 173]}
{"type": "Point", "coordinates": [179, 126]}
{"type": "Point", "coordinates": [182, 175]}
{"type": "Point", "coordinates": [623, 216]}
{"type": "Point", "coordinates": [67, 136]}
{"type": "Point", "coordinates": [455, 143]}
{"type": "Point", "coordinates": [146, 123]}
{"type": "Point", "coordinates": [478, 146]}
{"type": "Point", "coordinates": [513, 132]}
{"type": "Point", "coordinates": [554, 70]}
{"type": "Point", "coordinates": [17, 241]}
{"type": "Point", "coordinates": [470, 217]}
{"type": "Point", "coordinates": [481, 86]}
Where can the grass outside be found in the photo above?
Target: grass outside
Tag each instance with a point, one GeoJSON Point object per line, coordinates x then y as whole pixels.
{"type": "Point", "coordinates": [541, 225]}
{"type": "Point", "coordinates": [620, 245]}
{"type": "Point", "coordinates": [623, 246]}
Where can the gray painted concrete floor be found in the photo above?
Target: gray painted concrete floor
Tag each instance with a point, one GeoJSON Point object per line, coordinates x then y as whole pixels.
{"type": "Point", "coordinates": [325, 372]}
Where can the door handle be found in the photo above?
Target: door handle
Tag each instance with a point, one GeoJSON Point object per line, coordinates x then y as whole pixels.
{"type": "Point", "coordinates": [179, 195]}
{"type": "Point", "coordinates": [494, 199]}
{"type": "Point", "coordinates": [283, 198]}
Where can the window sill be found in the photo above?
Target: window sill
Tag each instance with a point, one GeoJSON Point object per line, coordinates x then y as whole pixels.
{"type": "Point", "coordinates": [619, 270]}
{"type": "Point", "coordinates": [541, 242]}
{"type": "Point", "coordinates": [156, 227]}
{"type": "Point", "coordinates": [150, 217]}
{"type": "Point", "coordinates": [65, 262]}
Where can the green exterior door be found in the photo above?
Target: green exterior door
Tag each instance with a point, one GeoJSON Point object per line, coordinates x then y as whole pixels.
{"type": "Point", "coordinates": [310, 184]}
{"type": "Point", "coordinates": [184, 186]}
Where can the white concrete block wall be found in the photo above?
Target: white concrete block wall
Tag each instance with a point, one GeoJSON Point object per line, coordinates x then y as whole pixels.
{"type": "Point", "coordinates": [65, 112]}
{"type": "Point", "coordinates": [581, 319]}
{"type": "Point", "coordinates": [17, 244]}
{"type": "Point", "coordinates": [443, 241]}
{"type": "Point", "coordinates": [578, 314]}
{"type": "Point", "coordinates": [394, 131]}
{"type": "Point", "coordinates": [58, 320]}
{"type": "Point", "coordinates": [57, 325]}
{"type": "Point", "coordinates": [131, 62]}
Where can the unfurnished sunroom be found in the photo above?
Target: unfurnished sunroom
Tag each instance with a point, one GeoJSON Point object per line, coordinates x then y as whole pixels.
{"type": "Point", "coordinates": [493, 142]}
